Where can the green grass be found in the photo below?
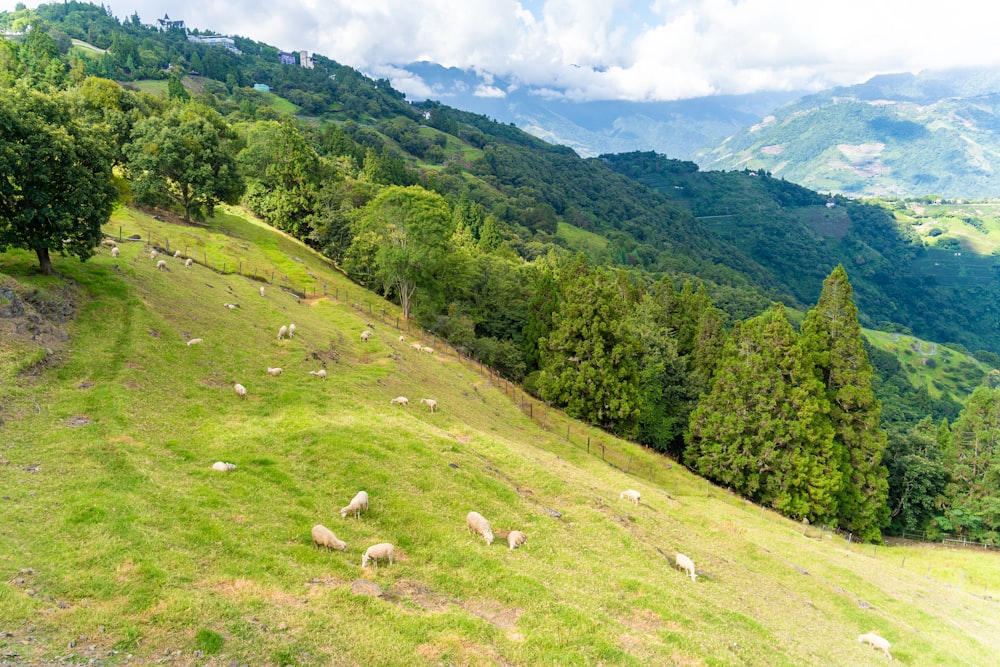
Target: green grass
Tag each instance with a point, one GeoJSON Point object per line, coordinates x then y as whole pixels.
{"type": "Point", "coordinates": [580, 240]}
{"type": "Point", "coordinates": [113, 525]}
{"type": "Point", "coordinates": [942, 370]}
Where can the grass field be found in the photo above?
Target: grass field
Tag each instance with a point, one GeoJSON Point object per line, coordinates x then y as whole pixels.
{"type": "Point", "coordinates": [114, 528]}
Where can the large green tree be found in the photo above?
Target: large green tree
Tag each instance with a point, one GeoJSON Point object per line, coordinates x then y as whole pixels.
{"type": "Point", "coordinates": [56, 186]}
{"type": "Point", "coordinates": [764, 429]}
{"type": "Point", "coordinates": [832, 335]}
{"type": "Point", "coordinates": [187, 157]}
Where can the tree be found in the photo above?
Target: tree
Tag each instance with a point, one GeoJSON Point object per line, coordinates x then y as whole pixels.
{"type": "Point", "coordinates": [185, 157]}
{"type": "Point", "coordinates": [401, 239]}
{"type": "Point", "coordinates": [917, 476]}
{"type": "Point", "coordinates": [56, 190]}
{"type": "Point", "coordinates": [832, 336]}
{"type": "Point", "coordinates": [764, 428]}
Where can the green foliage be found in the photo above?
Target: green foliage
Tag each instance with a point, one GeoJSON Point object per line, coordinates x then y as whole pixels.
{"type": "Point", "coordinates": [917, 477]}
{"type": "Point", "coordinates": [208, 641]}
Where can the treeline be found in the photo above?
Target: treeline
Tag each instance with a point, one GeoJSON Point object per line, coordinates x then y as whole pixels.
{"type": "Point", "coordinates": [657, 335]}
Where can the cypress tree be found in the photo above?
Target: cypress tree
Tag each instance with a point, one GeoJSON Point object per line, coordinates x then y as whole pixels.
{"type": "Point", "coordinates": [832, 335]}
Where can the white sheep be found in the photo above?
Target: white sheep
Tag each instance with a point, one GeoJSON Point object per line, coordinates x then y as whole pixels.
{"type": "Point", "coordinates": [273, 371]}
{"type": "Point", "coordinates": [321, 373]}
{"type": "Point", "coordinates": [230, 306]}
{"type": "Point", "coordinates": [358, 502]}
{"type": "Point", "coordinates": [477, 523]}
{"type": "Point", "coordinates": [222, 466]}
{"type": "Point", "coordinates": [876, 642]}
{"type": "Point", "coordinates": [416, 346]}
{"type": "Point", "coordinates": [515, 539]}
{"type": "Point", "coordinates": [152, 254]}
{"type": "Point", "coordinates": [376, 553]}
{"type": "Point", "coordinates": [240, 390]}
{"type": "Point", "coordinates": [162, 265]}
{"type": "Point", "coordinates": [402, 339]}
{"type": "Point", "coordinates": [686, 563]}
{"type": "Point", "coordinates": [109, 243]}
{"type": "Point", "coordinates": [630, 495]}
{"type": "Point", "coordinates": [428, 350]}
{"type": "Point", "coordinates": [366, 334]}
{"type": "Point", "coordinates": [400, 400]}
{"type": "Point", "coordinates": [262, 290]}
{"type": "Point", "coordinates": [291, 330]}
{"type": "Point", "coordinates": [195, 341]}
{"type": "Point", "coordinates": [177, 253]}
{"type": "Point", "coordinates": [282, 332]}
{"type": "Point", "coordinates": [114, 251]}
{"type": "Point", "coordinates": [188, 262]}
{"type": "Point", "coordinates": [324, 537]}
{"type": "Point", "coordinates": [429, 402]}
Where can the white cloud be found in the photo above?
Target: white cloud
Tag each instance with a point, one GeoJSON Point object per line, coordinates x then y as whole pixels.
{"type": "Point", "coordinates": [483, 90]}
{"type": "Point", "coordinates": [607, 49]}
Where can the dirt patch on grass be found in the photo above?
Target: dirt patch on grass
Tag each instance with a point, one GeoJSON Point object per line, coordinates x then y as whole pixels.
{"type": "Point", "coordinates": [244, 589]}
{"type": "Point", "coordinates": [502, 617]}
{"type": "Point", "coordinates": [418, 593]}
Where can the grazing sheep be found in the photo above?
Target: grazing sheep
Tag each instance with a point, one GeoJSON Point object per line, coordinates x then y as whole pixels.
{"type": "Point", "coordinates": [324, 537]}
{"type": "Point", "coordinates": [177, 253]}
{"type": "Point", "coordinates": [515, 539]}
{"type": "Point", "coordinates": [876, 642]}
{"type": "Point", "coordinates": [429, 402]}
{"type": "Point", "coordinates": [358, 503]}
{"type": "Point", "coordinates": [321, 373]}
{"type": "Point", "coordinates": [477, 523]}
{"type": "Point", "coordinates": [152, 254]}
{"type": "Point", "coordinates": [376, 553]}
{"type": "Point", "coordinates": [188, 262]}
{"type": "Point", "coordinates": [291, 330]}
{"type": "Point", "coordinates": [631, 495]}
{"type": "Point", "coordinates": [686, 563]}
{"type": "Point", "coordinates": [109, 243]}
{"type": "Point", "coordinates": [274, 371]}
{"type": "Point", "coordinates": [195, 341]}
{"type": "Point", "coordinates": [222, 466]}
{"type": "Point", "coordinates": [366, 334]}
{"type": "Point", "coordinates": [114, 251]}
{"type": "Point", "coordinates": [416, 346]}
{"type": "Point", "coordinates": [402, 339]}
{"type": "Point", "coordinates": [262, 290]}
{"type": "Point", "coordinates": [428, 350]}
{"type": "Point", "coordinates": [240, 390]}
{"type": "Point", "coordinates": [282, 332]}
{"type": "Point", "coordinates": [162, 265]}
{"type": "Point", "coordinates": [400, 400]}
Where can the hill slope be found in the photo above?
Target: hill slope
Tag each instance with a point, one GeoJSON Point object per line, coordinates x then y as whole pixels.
{"type": "Point", "coordinates": [115, 528]}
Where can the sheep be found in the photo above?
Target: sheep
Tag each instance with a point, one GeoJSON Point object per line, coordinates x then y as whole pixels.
{"type": "Point", "coordinates": [177, 254]}
{"type": "Point", "coordinates": [686, 563]}
{"type": "Point", "coordinates": [152, 254]}
{"type": "Point", "coordinates": [230, 306]}
{"type": "Point", "coordinates": [400, 400]}
{"type": "Point", "coordinates": [876, 642]}
{"type": "Point", "coordinates": [162, 265]}
{"type": "Point", "coordinates": [631, 495]}
{"type": "Point", "coordinates": [195, 341]}
{"type": "Point", "coordinates": [291, 330]}
{"type": "Point", "coordinates": [515, 539]}
{"type": "Point", "coordinates": [428, 350]}
{"type": "Point", "coordinates": [188, 262]}
{"type": "Point", "coordinates": [402, 339]}
{"type": "Point", "coordinates": [429, 402]}
{"type": "Point", "coordinates": [358, 502]}
{"type": "Point", "coordinates": [262, 290]}
{"type": "Point", "coordinates": [321, 373]}
{"type": "Point", "coordinates": [114, 251]}
{"type": "Point", "coordinates": [240, 390]}
{"type": "Point", "coordinates": [416, 346]}
{"type": "Point", "coordinates": [222, 466]}
{"type": "Point", "coordinates": [477, 523]}
{"type": "Point", "coordinates": [273, 371]}
{"type": "Point", "coordinates": [282, 332]}
{"type": "Point", "coordinates": [324, 537]}
{"type": "Point", "coordinates": [376, 553]}
{"type": "Point", "coordinates": [109, 243]}
{"type": "Point", "coordinates": [366, 334]}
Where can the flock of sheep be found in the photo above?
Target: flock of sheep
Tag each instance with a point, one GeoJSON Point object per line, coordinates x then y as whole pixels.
{"type": "Point", "coordinates": [475, 522]}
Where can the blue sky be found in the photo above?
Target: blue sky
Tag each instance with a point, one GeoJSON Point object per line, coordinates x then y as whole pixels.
{"type": "Point", "coordinates": [614, 49]}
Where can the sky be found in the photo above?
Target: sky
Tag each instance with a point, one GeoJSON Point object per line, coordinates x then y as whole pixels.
{"type": "Point", "coordinates": [586, 50]}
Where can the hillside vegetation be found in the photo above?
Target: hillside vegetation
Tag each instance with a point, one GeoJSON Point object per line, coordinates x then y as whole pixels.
{"type": "Point", "coordinates": [121, 545]}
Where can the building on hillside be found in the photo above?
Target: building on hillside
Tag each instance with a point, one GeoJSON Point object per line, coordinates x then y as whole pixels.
{"type": "Point", "coordinates": [227, 43]}
{"type": "Point", "coordinates": [166, 24]}
{"type": "Point", "coordinates": [262, 87]}
{"type": "Point", "coordinates": [305, 60]}
{"type": "Point", "coordinates": [286, 58]}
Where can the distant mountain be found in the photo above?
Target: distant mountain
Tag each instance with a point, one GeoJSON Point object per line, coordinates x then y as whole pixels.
{"type": "Point", "coordinates": [679, 129]}
{"type": "Point", "coordinates": [894, 135]}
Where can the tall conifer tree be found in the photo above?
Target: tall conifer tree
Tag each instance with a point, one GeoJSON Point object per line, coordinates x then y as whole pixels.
{"type": "Point", "coordinates": [832, 335]}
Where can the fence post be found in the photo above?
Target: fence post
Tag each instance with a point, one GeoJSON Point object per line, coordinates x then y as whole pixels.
{"type": "Point", "coordinates": [903, 564]}
{"type": "Point", "coordinates": [567, 432]}
{"type": "Point", "coordinates": [119, 232]}
{"type": "Point", "coordinates": [531, 410]}
{"type": "Point", "coordinates": [588, 444]}
{"type": "Point", "coordinates": [629, 467]}
{"type": "Point", "coordinates": [272, 277]}
{"type": "Point", "coordinates": [602, 451]}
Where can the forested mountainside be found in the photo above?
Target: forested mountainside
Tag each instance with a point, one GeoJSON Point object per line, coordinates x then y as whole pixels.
{"type": "Point", "coordinates": [895, 135]}
{"type": "Point", "coordinates": [602, 295]}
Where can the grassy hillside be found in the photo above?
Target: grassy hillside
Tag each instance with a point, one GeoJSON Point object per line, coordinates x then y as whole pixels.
{"type": "Point", "coordinates": [114, 527]}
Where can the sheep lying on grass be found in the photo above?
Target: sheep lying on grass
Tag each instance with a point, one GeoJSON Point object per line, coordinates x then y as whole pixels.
{"type": "Point", "coordinates": [110, 243]}
{"type": "Point", "coordinates": [429, 402]}
{"type": "Point", "coordinates": [477, 523]}
{"type": "Point", "coordinates": [687, 564]}
{"type": "Point", "coordinates": [240, 390]}
{"type": "Point", "coordinates": [188, 262]}
{"type": "Point", "coordinates": [274, 371]}
{"type": "Point", "coordinates": [324, 537]}
{"type": "Point", "coordinates": [631, 495]}
{"type": "Point", "coordinates": [376, 553]}
{"type": "Point", "coordinates": [366, 334]}
{"type": "Point", "coordinates": [230, 306]}
{"type": "Point", "coordinates": [358, 503]}
{"type": "Point", "coordinates": [428, 350]}
{"type": "Point", "coordinates": [321, 373]}
{"type": "Point", "coordinates": [515, 539]}
{"type": "Point", "coordinates": [114, 251]}
{"type": "Point", "coordinates": [399, 400]}
{"type": "Point", "coordinates": [282, 332]}
{"type": "Point", "coordinates": [876, 642]}
{"type": "Point", "coordinates": [222, 466]}
{"type": "Point", "coordinates": [416, 346]}
{"type": "Point", "coordinates": [195, 341]}
{"type": "Point", "coordinates": [162, 265]}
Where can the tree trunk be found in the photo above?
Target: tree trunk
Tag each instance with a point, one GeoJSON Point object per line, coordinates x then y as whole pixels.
{"type": "Point", "coordinates": [44, 262]}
